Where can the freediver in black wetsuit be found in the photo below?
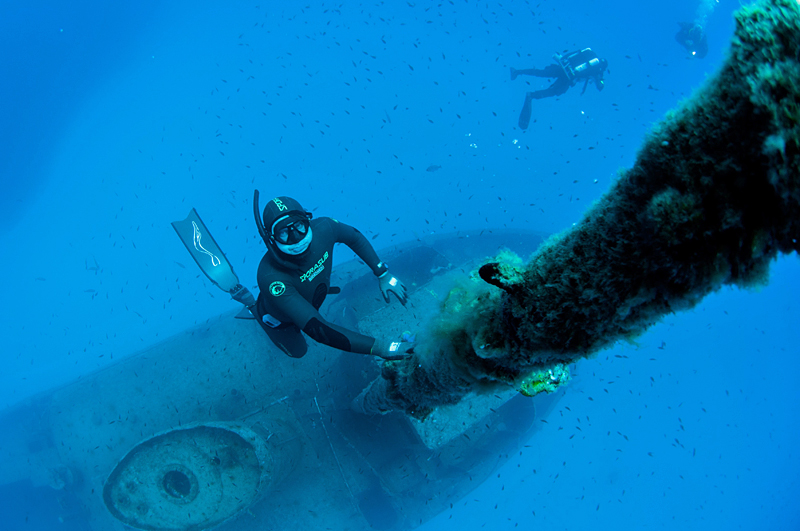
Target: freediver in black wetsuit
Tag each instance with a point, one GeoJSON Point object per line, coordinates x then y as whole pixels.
{"type": "Point", "coordinates": [567, 71]}
{"type": "Point", "coordinates": [294, 279]}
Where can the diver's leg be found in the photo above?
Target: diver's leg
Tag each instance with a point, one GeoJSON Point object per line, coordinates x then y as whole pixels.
{"type": "Point", "coordinates": [558, 88]}
{"type": "Point", "coordinates": [549, 71]}
{"type": "Point", "coordinates": [526, 72]}
{"type": "Point", "coordinates": [525, 113]}
{"type": "Point", "coordinates": [289, 339]}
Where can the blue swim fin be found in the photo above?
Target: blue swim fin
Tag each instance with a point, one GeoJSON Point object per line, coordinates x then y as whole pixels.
{"type": "Point", "coordinates": [210, 258]}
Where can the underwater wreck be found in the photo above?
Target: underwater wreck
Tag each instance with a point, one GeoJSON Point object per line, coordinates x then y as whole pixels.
{"type": "Point", "coordinates": [216, 428]}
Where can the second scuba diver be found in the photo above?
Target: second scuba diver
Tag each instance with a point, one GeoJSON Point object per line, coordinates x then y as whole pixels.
{"type": "Point", "coordinates": [582, 65]}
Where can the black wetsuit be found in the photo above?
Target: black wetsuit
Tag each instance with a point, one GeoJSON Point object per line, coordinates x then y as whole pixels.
{"type": "Point", "coordinates": [292, 289]}
{"type": "Point", "coordinates": [580, 65]}
{"type": "Point", "coordinates": [559, 86]}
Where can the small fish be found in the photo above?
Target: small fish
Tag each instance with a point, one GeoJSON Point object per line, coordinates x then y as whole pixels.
{"type": "Point", "coordinates": [433, 167]}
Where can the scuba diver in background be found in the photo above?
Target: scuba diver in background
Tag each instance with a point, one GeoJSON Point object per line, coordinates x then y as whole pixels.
{"type": "Point", "coordinates": [582, 65]}
{"type": "Point", "coordinates": [692, 37]}
{"type": "Point", "coordinates": [294, 279]}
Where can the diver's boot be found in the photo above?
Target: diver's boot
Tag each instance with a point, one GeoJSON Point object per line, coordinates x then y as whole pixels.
{"type": "Point", "coordinates": [513, 73]}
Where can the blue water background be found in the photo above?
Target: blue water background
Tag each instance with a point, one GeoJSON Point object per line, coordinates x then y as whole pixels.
{"type": "Point", "coordinates": [118, 119]}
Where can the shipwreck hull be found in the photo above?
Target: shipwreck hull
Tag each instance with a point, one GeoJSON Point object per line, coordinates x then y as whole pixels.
{"type": "Point", "coordinates": [216, 428]}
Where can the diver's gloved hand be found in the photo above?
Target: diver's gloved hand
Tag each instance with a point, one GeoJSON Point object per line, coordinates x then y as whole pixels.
{"type": "Point", "coordinates": [391, 284]}
{"type": "Point", "coordinates": [391, 350]}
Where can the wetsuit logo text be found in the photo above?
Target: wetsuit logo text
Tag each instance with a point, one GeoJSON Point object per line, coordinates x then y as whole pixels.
{"type": "Point", "coordinates": [279, 204]}
{"type": "Point", "coordinates": [315, 270]}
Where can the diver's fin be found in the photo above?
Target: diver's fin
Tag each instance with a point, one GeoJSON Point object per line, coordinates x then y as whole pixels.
{"type": "Point", "coordinates": [212, 261]}
{"type": "Point", "coordinates": [241, 294]}
{"type": "Point", "coordinates": [525, 114]}
{"type": "Point", "coordinates": [245, 314]}
{"type": "Point", "coordinates": [205, 251]}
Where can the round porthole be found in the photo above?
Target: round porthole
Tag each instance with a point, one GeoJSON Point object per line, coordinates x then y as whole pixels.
{"type": "Point", "coordinates": [178, 484]}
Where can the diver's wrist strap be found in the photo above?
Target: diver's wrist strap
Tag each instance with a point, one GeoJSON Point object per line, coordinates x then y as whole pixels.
{"type": "Point", "coordinates": [382, 269]}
